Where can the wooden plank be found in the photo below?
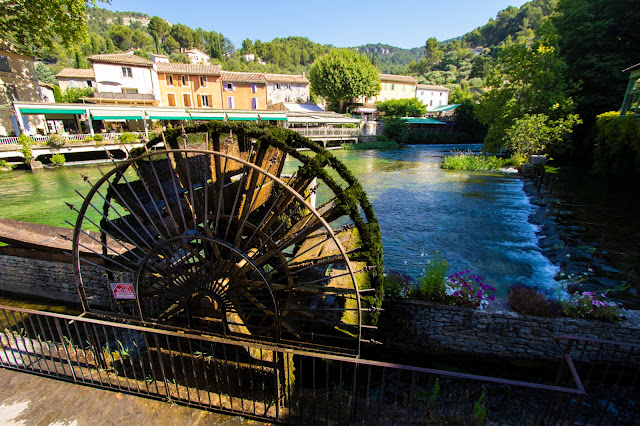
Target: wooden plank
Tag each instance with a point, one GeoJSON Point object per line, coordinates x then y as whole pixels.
{"type": "Point", "coordinates": [313, 248]}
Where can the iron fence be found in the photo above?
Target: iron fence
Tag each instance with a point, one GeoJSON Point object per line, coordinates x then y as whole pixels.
{"type": "Point", "coordinates": [276, 384]}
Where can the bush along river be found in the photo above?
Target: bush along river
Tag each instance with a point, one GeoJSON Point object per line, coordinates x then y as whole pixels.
{"type": "Point", "coordinates": [478, 221]}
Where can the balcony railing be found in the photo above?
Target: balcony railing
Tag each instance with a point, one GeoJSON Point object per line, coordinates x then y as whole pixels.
{"type": "Point", "coordinates": [124, 96]}
{"type": "Point", "coordinates": [42, 140]}
{"type": "Point", "coordinates": [327, 132]}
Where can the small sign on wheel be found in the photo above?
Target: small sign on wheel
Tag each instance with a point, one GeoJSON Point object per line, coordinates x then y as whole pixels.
{"type": "Point", "coordinates": [123, 291]}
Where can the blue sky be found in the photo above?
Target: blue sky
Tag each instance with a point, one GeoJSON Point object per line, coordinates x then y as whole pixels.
{"type": "Point", "coordinates": [402, 23]}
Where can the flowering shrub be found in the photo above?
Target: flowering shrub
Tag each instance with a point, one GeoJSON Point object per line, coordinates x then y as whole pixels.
{"type": "Point", "coordinates": [593, 306]}
{"type": "Point", "coordinates": [531, 301]}
{"type": "Point", "coordinates": [464, 289]}
{"type": "Point", "coordinates": [397, 284]}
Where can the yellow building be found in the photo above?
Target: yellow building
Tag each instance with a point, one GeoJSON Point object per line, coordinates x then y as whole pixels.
{"type": "Point", "coordinates": [396, 87]}
{"type": "Point", "coordinates": [18, 82]}
{"type": "Point", "coordinates": [190, 85]}
{"type": "Point", "coordinates": [244, 90]}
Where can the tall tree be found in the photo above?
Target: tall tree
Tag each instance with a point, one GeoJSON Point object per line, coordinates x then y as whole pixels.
{"type": "Point", "coordinates": [528, 79]}
{"type": "Point", "coordinates": [121, 36]}
{"type": "Point", "coordinates": [35, 24]}
{"type": "Point", "coordinates": [185, 36]}
{"type": "Point", "coordinates": [159, 29]}
{"type": "Point", "coordinates": [343, 75]}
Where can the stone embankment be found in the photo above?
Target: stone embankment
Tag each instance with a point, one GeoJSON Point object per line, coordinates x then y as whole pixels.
{"type": "Point", "coordinates": [431, 327]}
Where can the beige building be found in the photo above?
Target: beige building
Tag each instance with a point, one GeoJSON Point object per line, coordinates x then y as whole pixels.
{"type": "Point", "coordinates": [244, 90]}
{"type": "Point", "coordinates": [71, 78]}
{"type": "Point", "coordinates": [396, 87]}
{"type": "Point", "coordinates": [18, 82]}
{"type": "Point", "coordinates": [190, 85]}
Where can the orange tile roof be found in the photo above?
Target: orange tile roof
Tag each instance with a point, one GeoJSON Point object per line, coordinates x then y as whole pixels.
{"type": "Point", "coordinates": [121, 59]}
{"type": "Point", "coordinates": [243, 77]}
{"type": "Point", "coordinates": [76, 73]}
{"type": "Point", "coordinates": [190, 69]}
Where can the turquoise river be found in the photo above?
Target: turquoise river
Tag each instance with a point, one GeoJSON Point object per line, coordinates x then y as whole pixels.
{"type": "Point", "coordinates": [475, 220]}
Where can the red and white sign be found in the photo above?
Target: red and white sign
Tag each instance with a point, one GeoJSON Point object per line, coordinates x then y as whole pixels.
{"type": "Point", "coordinates": [123, 291]}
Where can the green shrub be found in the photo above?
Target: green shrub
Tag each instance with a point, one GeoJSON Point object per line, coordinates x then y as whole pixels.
{"type": "Point", "coordinates": [617, 150]}
{"type": "Point", "coordinates": [395, 129]}
{"type": "Point", "coordinates": [56, 141]}
{"type": "Point", "coordinates": [470, 161]}
{"type": "Point", "coordinates": [26, 151]}
{"type": "Point", "coordinates": [88, 138]}
{"type": "Point", "coordinates": [531, 301]}
{"type": "Point", "coordinates": [127, 137]}
{"type": "Point", "coordinates": [98, 138]}
{"type": "Point", "coordinates": [58, 159]}
{"type": "Point", "coordinates": [432, 285]}
{"type": "Point", "coordinates": [5, 165]}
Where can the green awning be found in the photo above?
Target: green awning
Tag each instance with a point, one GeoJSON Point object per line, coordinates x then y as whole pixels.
{"type": "Point", "coordinates": [52, 111]}
{"type": "Point", "coordinates": [108, 115]}
{"type": "Point", "coordinates": [207, 115]}
{"type": "Point", "coordinates": [422, 120]}
{"type": "Point", "coordinates": [443, 108]}
{"type": "Point", "coordinates": [231, 116]}
{"type": "Point", "coordinates": [273, 117]}
{"type": "Point", "coordinates": [168, 115]}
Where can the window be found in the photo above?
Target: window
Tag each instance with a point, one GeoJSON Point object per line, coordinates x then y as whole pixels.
{"type": "Point", "coordinates": [254, 103]}
{"type": "Point", "coordinates": [229, 87]}
{"type": "Point", "coordinates": [431, 102]}
{"type": "Point", "coordinates": [393, 86]}
{"type": "Point", "coordinates": [277, 86]}
{"type": "Point", "coordinates": [126, 72]}
{"type": "Point", "coordinates": [171, 99]}
{"type": "Point", "coordinates": [230, 103]}
{"type": "Point", "coordinates": [129, 90]}
{"type": "Point", "coordinates": [169, 79]}
{"type": "Point", "coordinates": [186, 99]}
{"type": "Point", "coordinates": [184, 80]}
{"type": "Point", "coordinates": [254, 88]}
{"type": "Point", "coordinates": [89, 83]}
{"type": "Point", "coordinates": [4, 64]}
{"type": "Point", "coordinates": [205, 101]}
{"type": "Point", "coordinates": [203, 81]}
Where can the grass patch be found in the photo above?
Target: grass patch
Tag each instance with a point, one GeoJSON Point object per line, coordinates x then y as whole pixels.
{"type": "Point", "coordinates": [469, 161]}
{"type": "Point", "coordinates": [371, 145]}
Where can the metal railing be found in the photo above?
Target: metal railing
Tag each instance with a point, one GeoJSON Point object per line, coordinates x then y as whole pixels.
{"type": "Point", "coordinates": [610, 372]}
{"type": "Point", "coordinates": [275, 384]}
{"type": "Point", "coordinates": [327, 132]}
{"type": "Point", "coordinates": [39, 139]}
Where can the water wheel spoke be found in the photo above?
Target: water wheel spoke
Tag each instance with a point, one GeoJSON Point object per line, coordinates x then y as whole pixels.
{"type": "Point", "coordinates": [216, 242]}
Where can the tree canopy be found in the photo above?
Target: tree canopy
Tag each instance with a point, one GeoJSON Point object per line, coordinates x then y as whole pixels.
{"type": "Point", "coordinates": [401, 108]}
{"type": "Point", "coordinates": [343, 75]}
{"type": "Point", "coordinates": [37, 23]}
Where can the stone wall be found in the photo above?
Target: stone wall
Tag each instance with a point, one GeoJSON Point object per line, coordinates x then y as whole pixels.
{"type": "Point", "coordinates": [50, 278]}
{"type": "Point", "coordinates": [430, 327]}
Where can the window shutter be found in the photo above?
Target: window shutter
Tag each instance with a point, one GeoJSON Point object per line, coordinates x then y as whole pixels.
{"type": "Point", "coordinates": [210, 103]}
{"type": "Point", "coordinates": [199, 102]}
{"type": "Point", "coordinates": [233, 87]}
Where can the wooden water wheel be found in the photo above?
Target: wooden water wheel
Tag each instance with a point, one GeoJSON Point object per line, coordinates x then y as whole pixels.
{"type": "Point", "coordinates": [211, 237]}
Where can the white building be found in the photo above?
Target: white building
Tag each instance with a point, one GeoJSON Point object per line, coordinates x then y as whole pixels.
{"type": "Point", "coordinates": [432, 96]}
{"type": "Point", "coordinates": [287, 88]}
{"type": "Point", "coordinates": [196, 56]}
{"type": "Point", "coordinates": [125, 78]}
{"type": "Point", "coordinates": [72, 78]}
